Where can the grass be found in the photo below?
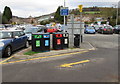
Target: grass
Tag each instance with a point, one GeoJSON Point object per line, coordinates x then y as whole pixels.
{"type": "Point", "coordinates": [92, 12]}
{"type": "Point", "coordinates": [31, 53]}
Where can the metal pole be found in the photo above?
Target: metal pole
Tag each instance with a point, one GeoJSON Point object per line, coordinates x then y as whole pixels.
{"type": "Point", "coordinates": [117, 15]}
{"type": "Point", "coordinates": [80, 27]}
{"type": "Point", "coordinates": [64, 16]}
{"type": "Point", "coordinates": [72, 22]}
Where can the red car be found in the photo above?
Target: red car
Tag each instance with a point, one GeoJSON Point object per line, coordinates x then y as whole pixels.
{"type": "Point", "coordinates": [51, 30]}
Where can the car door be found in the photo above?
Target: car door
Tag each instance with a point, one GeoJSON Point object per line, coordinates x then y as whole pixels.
{"type": "Point", "coordinates": [17, 40]}
{"type": "Point", "coordinates": [23, 38]}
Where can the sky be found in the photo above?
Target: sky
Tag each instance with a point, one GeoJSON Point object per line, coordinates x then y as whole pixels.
{"type": "Point", "coordinates": [26, 8]}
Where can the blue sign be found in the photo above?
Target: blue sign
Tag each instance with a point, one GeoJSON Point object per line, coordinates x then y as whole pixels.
{"type": "Point", "coordinates": [64, 12]}
{"type": "Point", "coordinates": [46, 42]}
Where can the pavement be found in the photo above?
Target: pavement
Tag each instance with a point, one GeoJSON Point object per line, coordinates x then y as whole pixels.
{"type": "Point", "coordinates": [88, 64]}
{"type": "Point", "coordinates": [20, 57]}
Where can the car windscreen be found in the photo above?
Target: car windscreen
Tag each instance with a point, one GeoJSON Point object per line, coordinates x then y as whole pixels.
{"type": "Point", "coordinates": [108, 27]}
{"type": "Point", "coordinates": [90, 27]}
{"type": "Point", "coordinates": [31, 30]}
{"type": "Point", "coordinates": [1, 26]}
{"type": "Point", "coordinates": [117, 27]}
{"type": "Point", "coordinates": [4, 35]}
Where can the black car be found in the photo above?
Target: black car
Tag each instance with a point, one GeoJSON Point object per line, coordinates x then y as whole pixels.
{"type": "Point", "coordinates": [106, 30]}
{"type": "Point", "coordinates": [117, 29]}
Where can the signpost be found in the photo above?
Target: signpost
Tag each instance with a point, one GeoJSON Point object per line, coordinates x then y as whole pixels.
{"type": "Point", "coordinates": [64, 11]}
{"type": "Point", "coordinates": [80, 9]}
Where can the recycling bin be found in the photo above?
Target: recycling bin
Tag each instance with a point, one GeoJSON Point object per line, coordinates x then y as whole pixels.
{"type": "Point", "coordinates": [40, 42]}
{"type": "Point", "coordinates": [65, 40]}
{"type": "Point", "coordinates": [57, 41]}
{"type": "Point", "coordinates": [77, 40]}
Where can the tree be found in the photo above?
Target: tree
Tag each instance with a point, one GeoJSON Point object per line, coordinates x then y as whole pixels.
{"type": "Point", "coordinates": [0, 18]}
{"type": "Point", "coordinates": [58, 17]}
{"type": "Point", "coordinates": [4, 20]}
{"type": "Point", "coordinates": [7, 15]}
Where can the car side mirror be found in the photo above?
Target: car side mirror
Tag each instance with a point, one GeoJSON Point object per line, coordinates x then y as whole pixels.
{"type": "Point", "coordinates": [16, 37]}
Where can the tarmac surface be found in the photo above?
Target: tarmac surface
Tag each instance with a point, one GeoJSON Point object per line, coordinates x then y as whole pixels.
{"type": "Point", "coordinates": [95, 61]}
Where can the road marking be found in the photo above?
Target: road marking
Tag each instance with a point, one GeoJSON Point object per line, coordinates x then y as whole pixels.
{"type": "Point", "coordinates": [71, 64]}
{"type": "Point", "coordinates": [43, 57]}
{"type": "Point", "coordinates": [7, 59]}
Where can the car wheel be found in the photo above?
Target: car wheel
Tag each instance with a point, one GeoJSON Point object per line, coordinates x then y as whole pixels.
{"type": "Point", "coordinates": [8, 51]}
{"type": "Point", "coordinates": [102, 32]}
{"type": "Point", "coordinates": [27, 44]}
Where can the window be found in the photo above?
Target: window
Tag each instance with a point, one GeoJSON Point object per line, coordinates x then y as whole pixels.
{"type": "Point", "coordinates": [17, 33]}
{"type": "Point", "coordinates": [22, 33]}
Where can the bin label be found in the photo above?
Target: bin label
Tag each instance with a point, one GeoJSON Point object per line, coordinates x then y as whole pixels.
{"type": "Point", "coordinates": [37, 36]}
{"type": "Point", "coordinates": [66, 41]}
{"type": "Point", "coordinates": [37, 43]}
{"type": "Point", "coordinates": [46, 42]}
{"type": "Point", "coordinates": [65, 35]}
{"type": "Point", "coordinates": [58, 41]}
{"type": "Point", "coordinates": [46, 36]}
{"type": "Point", "coordinates": [58, 35]}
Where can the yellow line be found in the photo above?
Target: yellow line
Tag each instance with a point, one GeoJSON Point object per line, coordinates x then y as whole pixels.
{"type": "Point", "coordinates": [44, 57]}
{"type": "Point", "coordinates": [71, 64]}
{"type": "Point", "coordinates": [6, 59]}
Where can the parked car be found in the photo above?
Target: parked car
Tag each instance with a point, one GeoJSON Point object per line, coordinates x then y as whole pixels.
{"type": "Point", "coordinates": [117, 29]}
{"type": "Point", "coordinates": [28, 31]}
{"type": "Point", "coordinates": [89, 30]}
{"type": "Point", "coordinates": [96, 27]}
{"type": "Point", "coordinates": [2, 27]}
{"type": "Point", "coordinates": [106, 30]}
{"type": "Point", "coordinates": [11, 40]}
{"type": "Point", "coordinates": [51, 30]}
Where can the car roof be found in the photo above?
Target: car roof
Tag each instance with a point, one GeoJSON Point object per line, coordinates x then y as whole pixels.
{"type": "Point", "coordinates": [9, 30]}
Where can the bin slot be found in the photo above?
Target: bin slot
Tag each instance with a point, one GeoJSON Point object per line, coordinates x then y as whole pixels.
{"type": "Point", "coordinates": [46, 42]}
{"type": "Point", "coordinates": [66, 41]}
{"type": "Point", "coordinates": [58, 41]}
{"type": "Point", "coordinates": [37, 43]}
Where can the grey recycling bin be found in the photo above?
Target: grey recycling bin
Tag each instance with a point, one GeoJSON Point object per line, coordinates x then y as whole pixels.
{"type": "Point", "coordinates": [65, 40]}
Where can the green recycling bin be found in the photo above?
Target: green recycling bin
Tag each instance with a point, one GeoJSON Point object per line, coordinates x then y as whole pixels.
{"type": "Point", "coordinates": [40, 42]}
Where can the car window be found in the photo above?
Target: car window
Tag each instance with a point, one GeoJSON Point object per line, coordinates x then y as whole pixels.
{"type": "Point", "coordinates": [4, 35]}
{"type": "Point", "coordinates": [22, 33]}
{"type": "Point", "coordinates": [90, 27]}
{"type": "Point", "coordinates": [31, 30]}
{"type": "Point", "coordinates": [17, 33]}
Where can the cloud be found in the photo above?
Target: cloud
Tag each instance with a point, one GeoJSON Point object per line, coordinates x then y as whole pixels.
{"type": "Point", "coordinates": [25, 8]}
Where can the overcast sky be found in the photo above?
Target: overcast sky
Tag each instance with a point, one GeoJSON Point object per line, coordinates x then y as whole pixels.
{"type": "Point", "coordinates": [25, 8]}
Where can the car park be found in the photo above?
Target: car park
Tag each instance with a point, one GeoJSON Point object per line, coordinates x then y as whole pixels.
{"type": "Point", "coordinates": [106, 30]}
{"type": "Point", "coordinates": [11, 40]}
{"type": "Point", "coordinates": [89, 30]}
{"type": "Point", "coordinates": [117, 29]}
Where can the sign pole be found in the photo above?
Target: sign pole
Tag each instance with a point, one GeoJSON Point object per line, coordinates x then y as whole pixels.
{"type": "Point", "coordinates": [64, 15]}
{"type": "Point", "coordinates": [80, 9]}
